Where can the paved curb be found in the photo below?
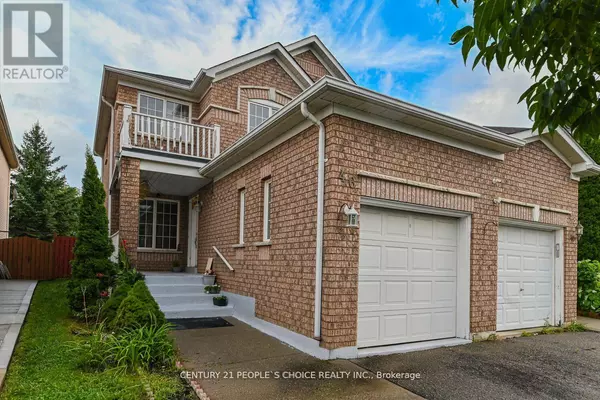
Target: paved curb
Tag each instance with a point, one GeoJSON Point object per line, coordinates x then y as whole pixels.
{"type": "Point", "coordinates": [194, 384]}
{"type": "Point", "coordinates": [10, 340]}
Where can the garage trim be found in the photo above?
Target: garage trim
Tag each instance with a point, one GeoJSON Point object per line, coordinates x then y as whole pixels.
{"type": "Point", "coordinates": [463, 277]}
{"type": "Point", "coordinates": [559, 262]}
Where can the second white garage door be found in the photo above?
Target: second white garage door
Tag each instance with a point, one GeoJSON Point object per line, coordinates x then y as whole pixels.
{"type": "Point", "coordinates": [525, 277]}
{"type": "Point", "coordinates": [407, 277]}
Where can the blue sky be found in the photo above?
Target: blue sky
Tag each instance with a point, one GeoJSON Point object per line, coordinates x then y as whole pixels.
{"type": "Point", "coordinates": [398, 47]}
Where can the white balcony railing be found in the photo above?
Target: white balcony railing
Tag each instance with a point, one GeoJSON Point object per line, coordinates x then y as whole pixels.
{"type": "Point", "coordinates": [169, 136]}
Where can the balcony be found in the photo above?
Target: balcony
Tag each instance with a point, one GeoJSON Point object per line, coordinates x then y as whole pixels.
{"type": "Point", "coordinates": [167, 137]}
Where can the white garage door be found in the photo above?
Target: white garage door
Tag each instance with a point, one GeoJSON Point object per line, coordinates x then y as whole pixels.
{"type": "Point", "coordinates": [525, 277]}
{"type": "Point", "coordinates": [407, 277]}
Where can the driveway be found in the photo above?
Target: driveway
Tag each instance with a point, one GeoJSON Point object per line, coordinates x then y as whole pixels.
{"type": "Point", "coordinates": [562, 366]}
{"type": "Point", "coordinates": [15, 296]}
{"type": "Point", "coordinates": [235, 361]}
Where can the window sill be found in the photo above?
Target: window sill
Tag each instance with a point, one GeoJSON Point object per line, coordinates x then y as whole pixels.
{"type": "Point", "coordinates": [239, 245]}
{"type": "Point", "coordinates": [146, 250]}
{"type": "Point", "coordinates": [260, 244]}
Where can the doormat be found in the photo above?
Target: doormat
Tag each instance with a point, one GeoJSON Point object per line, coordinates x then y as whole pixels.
{"type": "Point", "coordinates": [199, 323]}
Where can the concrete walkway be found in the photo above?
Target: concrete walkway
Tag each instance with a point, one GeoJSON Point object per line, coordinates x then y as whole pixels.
{"type": "Point", "coordinates": [591, 324]}
{"type": "Point", "coordinates": [15, 296]}
{"type": "Point", "coordinates": [241, 363]}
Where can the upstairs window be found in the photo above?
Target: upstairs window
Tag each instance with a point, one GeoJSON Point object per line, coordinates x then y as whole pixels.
{"type": "Point", "coordinates": [163, 108]}
{"type": "Point", "coordinates": [259, 111]}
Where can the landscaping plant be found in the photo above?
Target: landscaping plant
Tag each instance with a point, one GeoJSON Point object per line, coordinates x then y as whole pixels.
{"type": "Point", "coordinates": [588, 285]}
{"type": "Point", "coordinates": [138, 309]}
{"type": "Point", "coordinates": [109, 312]}
{"type": "Point", "coordinates": [93, 246]}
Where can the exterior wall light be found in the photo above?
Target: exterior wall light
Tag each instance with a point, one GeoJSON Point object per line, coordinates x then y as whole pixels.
{"type": "Point", "coordinates": [351, 216]}
{"type": "Point", "coordinates": [579, 230]}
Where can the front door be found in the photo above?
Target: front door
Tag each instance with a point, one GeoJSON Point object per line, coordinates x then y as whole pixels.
{"type": "Point", "coordinates": [193, 235]}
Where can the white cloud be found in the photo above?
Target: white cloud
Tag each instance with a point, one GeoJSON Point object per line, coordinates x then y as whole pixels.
{"type": "Point", "coordinates": [479, 97]}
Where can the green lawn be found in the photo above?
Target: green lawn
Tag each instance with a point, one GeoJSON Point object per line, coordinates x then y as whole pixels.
{"type": "Point", "coordinates": [43, 367]}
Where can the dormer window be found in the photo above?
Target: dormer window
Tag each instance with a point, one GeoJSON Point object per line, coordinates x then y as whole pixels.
{"type": "Point", "coordinates": [259, 111]}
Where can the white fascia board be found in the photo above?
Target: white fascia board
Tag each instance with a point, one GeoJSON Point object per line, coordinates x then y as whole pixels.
{"type": "Point", "coordinates": [167, 168]}
{"type": "Point", "coordinates": [13, 149]}
{"type": "Point", "coordinates": [305, 44]}
{"type": "Point", "coordinates": [148, 78]}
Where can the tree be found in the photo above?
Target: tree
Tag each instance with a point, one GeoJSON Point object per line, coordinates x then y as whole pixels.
{"type": "Point", "coordinates": [589, 207]}
{"type": "Point", "coordinates": [45, 205]}
{"type": "Point", "coordinates": [93, 246]}
{"type": "Point", "coordinates": [557, 41]}
{"type": "Point", "coordinates": [91, 269]}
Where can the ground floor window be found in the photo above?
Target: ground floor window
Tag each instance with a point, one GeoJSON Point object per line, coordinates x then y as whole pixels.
{"type": "Point", "coordinates": [158, 224]}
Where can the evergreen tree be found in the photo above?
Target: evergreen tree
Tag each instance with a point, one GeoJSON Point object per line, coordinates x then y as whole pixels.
{"type": "Point", "coordinates": [589, 207]}
{"type": "Point", "coordinates": [93, 246]}
{"type": "Point", "coordinates": [45, 205]}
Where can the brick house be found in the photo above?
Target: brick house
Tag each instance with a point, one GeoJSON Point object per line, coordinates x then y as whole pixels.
{"type": "Point", "coordinates": [340, 220]}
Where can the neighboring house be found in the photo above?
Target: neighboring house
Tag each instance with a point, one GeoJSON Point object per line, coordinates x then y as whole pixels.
{"type": "Point", "coordinates": [8, 161]}
{"type": "Point", "coordinates": [462, 229]}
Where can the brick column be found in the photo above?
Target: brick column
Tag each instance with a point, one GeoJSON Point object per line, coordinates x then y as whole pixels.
{"type": "Point", "coordinates": [129, 205]}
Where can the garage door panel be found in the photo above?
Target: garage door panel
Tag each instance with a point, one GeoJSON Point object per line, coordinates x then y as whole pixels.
{"type": "Point", "coordinates": [395, 258]}
{"type": "Point", "coordinates": [422, 259]}
{"type": "Point", "coordinates": [415, 278]}
{"type": "Point", "coordinates": [369, 257]}
{"type": "Point", "coordinates": [369, 293]}
{"type": "Point", "coordinates": [395, 293]}
{"type": "Point", "coordinates": [525, 277]}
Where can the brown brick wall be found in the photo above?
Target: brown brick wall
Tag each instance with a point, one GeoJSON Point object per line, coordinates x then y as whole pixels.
{"type": "Point", "coordinates": [281, 276]}
{"type": "Point", "coordinates": [225, 94]}
{"type": "Point", "coordinates": [532, 174]}
{"type": "Point", "coordinates": [311, 64]}
{"type": "Point", "coordinates": [129, 193]}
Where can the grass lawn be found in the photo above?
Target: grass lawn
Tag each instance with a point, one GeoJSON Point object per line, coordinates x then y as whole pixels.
{"type": "Point", "coordinates": [43, 367]}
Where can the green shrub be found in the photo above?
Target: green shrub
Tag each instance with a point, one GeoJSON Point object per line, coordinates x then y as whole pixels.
{"type": "Point", "coordinates": [77, 288]}
{"type": "Point", "coordinates": [138, 309]}
{"type": "Point", "coordinates": [588, 285]}
{"type": "Point", "coordinates": [110, 309]}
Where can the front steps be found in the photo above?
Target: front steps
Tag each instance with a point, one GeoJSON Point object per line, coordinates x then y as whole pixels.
{"type": "Point", "coordinates": [181, 295]}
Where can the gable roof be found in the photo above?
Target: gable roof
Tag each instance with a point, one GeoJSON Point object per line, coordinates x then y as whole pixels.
{"type": "Point", "coordinates": [6, 140]}
{"type": "Point", "coordinates": [333, 96]}
{"type": "Point", "coordinates": [314, 44]}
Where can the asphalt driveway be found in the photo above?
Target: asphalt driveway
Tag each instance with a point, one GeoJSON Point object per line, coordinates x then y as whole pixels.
{"type": "Point", "coordinates": [241, 363]}
{"type": "Point", "coordinates": [562, 366]}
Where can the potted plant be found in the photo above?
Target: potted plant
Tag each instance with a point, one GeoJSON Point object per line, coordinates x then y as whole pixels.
{"type": "Point", "coordinates": [212, 289]}
{"type": "Point", "coordinates": [176, 266]}
{"type": "Point", "coordinates": [209, 278]}
{"type": "Point", "coordinates": [220, 301]}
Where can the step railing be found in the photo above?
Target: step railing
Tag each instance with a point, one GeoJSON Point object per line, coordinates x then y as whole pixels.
{"type": "Point", "coordinates": [223, 258]}
{"type": "Point", "coordinates": [169, 136]}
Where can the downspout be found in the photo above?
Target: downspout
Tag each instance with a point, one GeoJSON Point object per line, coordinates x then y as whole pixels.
{"type": "Point", "coordinates": [320, 206]}
{"type": "Point", "coordinates": [110, 159]}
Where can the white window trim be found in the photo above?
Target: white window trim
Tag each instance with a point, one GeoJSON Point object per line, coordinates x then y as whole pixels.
{"type": "Point", "coordinates": [154, 210]}
{"type": "Point", "coordinates": [265, 103]}
{"type": "Point", "coordinates": [267, 186]}
{"type": "Point", "coordinates": [164, 99]}
{"type": "Point", "coordinates": [242, 216]}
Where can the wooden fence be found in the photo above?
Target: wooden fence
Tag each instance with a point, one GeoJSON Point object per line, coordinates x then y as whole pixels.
{"type": "Point", "coordinates": [29, 258]}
